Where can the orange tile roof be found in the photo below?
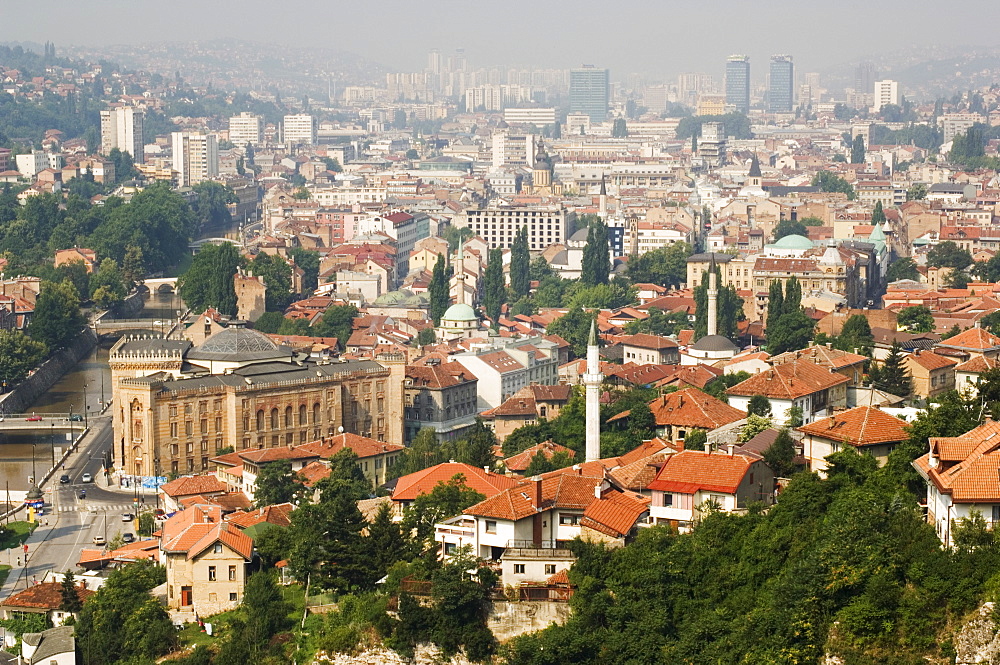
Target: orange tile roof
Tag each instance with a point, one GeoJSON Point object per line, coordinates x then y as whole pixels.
{"type": "Point", "coordinates": [693, 408]}
{"type": "Point", "coordinates": [645, 449]}
{"type": "Point", "coordinates": [644, 341]}
{"type": "Point", "coordinates": [860, 426]}
{"type": "Point", "coordinates": [559, 490]}
{"type": "Point", "coordinates": [279, 514]}
{"type": "Point", "coordinates": [136, 551]}
{"type": "Point", "coordinates": [439, 376]}
{"type": "Point", "coordinates": [978, 365]}
{"type": "Point", "coordinates": [361, 445]}
{"type": "Point", "coordinates": [637, 475]}
{"type": "Point", "coordinates": [522, 460]}
{"type": "Point", "coordinates": [412, 485]}
{"type": "Point", "coordinates": [189, 485]}
{"type": "Point", "coordinates": [615, 513]}
{"type": "Point", "coordinates": [313, 472]}
{"type": "Point", "coordinates": [44, 596]}
{"type": "Point", "coordinates": [228, 535]}
{"type": "Point", "coordinates": [931, 361]}
{"type": "Point", "coordinates": [265, 455]}
{"type": "Point", "coordinates": [692, 470]}
{"type": "Point", "coordinates": [789, 381]}
{"type": "Point", "coordinates": [821, 355]}
{"type": "Point", "coordinates": [973, 339]}
{"type": "Point", "coordinates": [967, 465]}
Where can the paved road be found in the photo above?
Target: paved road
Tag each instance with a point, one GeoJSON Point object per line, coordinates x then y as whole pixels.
{"type": "Point", "coordinates": [71, 522]}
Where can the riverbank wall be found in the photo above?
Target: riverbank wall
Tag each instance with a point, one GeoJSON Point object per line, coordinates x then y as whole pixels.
{"type": "Point", "coordinates": [131, 306]}
{"type": "Point", "coordinates": [24, 394]}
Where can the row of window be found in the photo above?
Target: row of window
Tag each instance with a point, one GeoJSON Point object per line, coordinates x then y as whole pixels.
{"type": "Point", "coordinates": [519, 569]}
{"type": "Point", "coordinates": [212, 569]}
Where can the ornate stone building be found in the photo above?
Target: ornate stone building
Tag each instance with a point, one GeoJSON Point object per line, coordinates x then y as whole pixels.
{"type": "Point", "coordinates": [178, 405]}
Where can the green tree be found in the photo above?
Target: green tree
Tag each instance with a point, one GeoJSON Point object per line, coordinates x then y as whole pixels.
{"type": "Point", "coordinates": [476, 448]}
{"type": "Point", "coordinates": [665, 266]}
{"type": "Point", "coordinates": [76, 272]}
{"type": "Point", "coordinates": [949, 255]}
{"type": "Point", "coordinates": [904, 268]}
{"type": "Point", "coordinates": [57, 318]}
{"type": "Point", "coordinates": [308, 260]}
{"type": "Point", "coordinates": [951, 332]}
{"type": "Point", "coordinates": [787, 227]}
{"type": "Point", "coordinates": [878, 217]}
{"type": "Point", "coordinates": [856, 336]}
{"type": "Point", "coordinates": [277, 483]}
{"type": "Point", "coordinates": [893, 377]}
{"type": "Point", "coordinates": [858, 150]}
{"type": "Point", "coordinates": [269, 322]}
{"type": "Point", "coordinates": [107, 285]}
{"type": "Point", "coordinates": [70, 594]}
{"type": "Point", "coordinates": [520, 264]}
{"type": "Point", "coordinates": [426, 336]}
{"type": "Point", "coordinates": [209, 280]}
{"type": "Point", "coordinates": [916, 192]}
{"type": "Point", "coordinates": [385, 542]}
{"type": "Point", "coordinates": [619, 129]}
{"type": "Point", "coordinates": [124, 165]}
{"type": "Point", "coordinates": [447, 499]}
{"type": "Point", "coordinates": [793, 296]}
{"type": "Point", "coordinates": [759, 405]}
{"type": "Point", "coordinates": [439, 290]}
{"type": "Point", "coordinates": [831, 182]}
{"type": "Point", "coordinates": [596, 253]}
{"type": "Point", "coordinates": [423, 452]}
{"type": "Point", "coordinates": [775, 305]}
{"type": "Point", "coordinates": [461, 599]}
{"type": "Point", "coordinates": [337, 321]}
{"type": "Point", "coordinates": [917, 318]}
{"type": "Point", "coordinates": [19, 354]}
{"type": "Point", "coordinates": [793, 332]}
{"type": "Point", "coordinates": [658, 323]}
{"type": "Point", "coordinates": [211, 204]}
{"type": "Point", "coordinates": [780, 453]}
{"type": "Point", "coordinates": [133, 265]}
{"type": "Point", "coordinates": [277, 276]}
{"type": "Point", "coordinates": [495, 290]}
{"type": "Point", "coordinates": [696, 440]}
{"type": "Point", "coordinates": [456, 234]}
{"type": "Point", "coordinates": [574, 327]}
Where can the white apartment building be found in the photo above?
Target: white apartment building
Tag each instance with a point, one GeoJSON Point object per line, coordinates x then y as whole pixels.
{"type": "Point", "coordinates": [339, 197]}
{"type": "Point", "coordinates": [886, 92]}
{"type": "Point", "coordinates": [510, 366]}
{"type": "Point", "coordinates": [539, 117]}
{"type": "Point", "coordinates": [246, 128]}
{"type": "Point", "coordinates": [512, 149]}
{"type": "Point", "coordinates": [300, 129]}
{"type": "Point", "coordinates": [29, 164]}
{"type": "Point", "coordinates": [498, 226]}
{"type": "Point", "coordinates": [953, 124]}
{"type": "Point", "coordinates": [196, 157]}
{"type": "Point", "coordinates": [122, 128]}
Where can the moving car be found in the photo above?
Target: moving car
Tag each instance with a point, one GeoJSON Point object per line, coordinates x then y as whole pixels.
{"type": "Point", "coordinates": [63, 479]}
{"type": "Point", "coordinates": [33, 418]}
{"type": "Point", "coordinates": [86, 478]}
{"type": "Point", "coordinates": [100, 541]}
{"type": "Point", "coordinates": [128, 538]}
{"type": "Point", "coordinates": [76, 418]}
{"type": "Point", "coordinates": [127, 517]}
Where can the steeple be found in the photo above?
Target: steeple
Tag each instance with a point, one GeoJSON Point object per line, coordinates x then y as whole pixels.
{"type": "Point", "coordinates": [592, 379]}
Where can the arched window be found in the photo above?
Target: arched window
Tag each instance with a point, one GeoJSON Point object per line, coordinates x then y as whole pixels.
{"type": "Point", "coordinates": [260, 420]}
{"type": "Point", "coordinates": [288, 416]}
{"type": "Point", "coordinates": [316, 409]}
{"type": "Point", "coordinates": [274, 418]}
{"type": "Point", "coordinates": [303, 414]}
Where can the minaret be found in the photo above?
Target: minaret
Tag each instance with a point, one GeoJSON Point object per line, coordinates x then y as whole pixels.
{"type": "Point", "coordinates": [592, 379]}
{"type": "Point", "coordinates": [460, 273]}
{"type": "Point", "coordinates": [603, 205]}
{"type": "Point", "coordinates": [713, 298]}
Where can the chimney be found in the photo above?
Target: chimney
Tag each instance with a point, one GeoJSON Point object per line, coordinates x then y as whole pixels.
{"type": "Point", "coordinates": [732, 449]}
{"type": "Point", "coordinates": [932, 459]}
{"type": "Point", "coordinates": [708, 448]}
{"type": "Point", "coordinates": [536, 494]}
{"type": "Point", "coordinates": [536, 519]}
{"type": "Point", "coordinates": [578, 469]}
{"type": "Point", "coordinates": [597, 491]}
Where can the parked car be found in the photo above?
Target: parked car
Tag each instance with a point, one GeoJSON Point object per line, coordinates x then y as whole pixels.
{"type": "Point", "coordinates": [63, 479]}
{"type": "Point", "coordinates": [128, 538]}
{"type": "Point", "coordinates": [34, 418]}
{"type": "Point", "coordinates": [127, 517]}
{"type": "Point", "coordinates": [76, 418]}
{"type": "Point", "coordinates": [86, 478]}
{"type": "Point", "coordinates": [100, 541]}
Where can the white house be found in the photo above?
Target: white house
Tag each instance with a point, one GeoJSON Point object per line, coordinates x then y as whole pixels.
{"type": "Point", "coordinates": [814, 389]}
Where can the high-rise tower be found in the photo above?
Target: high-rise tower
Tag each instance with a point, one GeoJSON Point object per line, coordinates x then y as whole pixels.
{"type": "Point", "coordinates": [592, 379]}
{"type": "Point", "coordinates": [588, 92]}
{"type": "Point", "coordinates": [780, 96]}
{"type": "Point", "coordinates": [738, 82]}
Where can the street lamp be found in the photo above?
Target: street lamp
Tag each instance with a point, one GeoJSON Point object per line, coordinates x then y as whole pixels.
{"type": "Point", "coordinates": [85, 384]}
{"type": "Point", "coordinates": [52, 436]}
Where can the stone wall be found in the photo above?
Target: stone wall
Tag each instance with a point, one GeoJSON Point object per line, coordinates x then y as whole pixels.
{"type": "Point", "coordinates": [508, 619]}
{"type": "Point", "coordinates": [131, 307]}
{"type": "Point", "coordinates": [24, 394]}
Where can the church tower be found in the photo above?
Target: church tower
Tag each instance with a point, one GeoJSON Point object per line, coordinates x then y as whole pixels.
{"type": "Point", "coordinates": [592, 379]}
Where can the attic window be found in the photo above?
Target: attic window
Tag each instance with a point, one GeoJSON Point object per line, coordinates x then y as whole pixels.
{"type": "Point", "coordinates": [218, 548]}
{"type": "Point", "coordinates": [525, 495]}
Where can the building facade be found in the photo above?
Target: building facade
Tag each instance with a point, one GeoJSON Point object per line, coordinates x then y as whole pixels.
{"type": "Point", "coordinates": [498, 226]}
{"type": "Point", "coordinates": [122, 128]}
{"type": "Point", "coordinates": [300, 129]}
{"type": "Point", "coordinates": [246, 128]}
{"type": "Point", "coordinates": [738, 83]}
{"type": "Point", "coordinates": [588, 92]}
{"type": "Point", "coordinates": [196, 157]}
{"type": "Point", "coordinates": [781, 89]}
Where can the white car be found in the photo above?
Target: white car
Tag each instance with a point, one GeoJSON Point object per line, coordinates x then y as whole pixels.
{"type": "Point", "coordinates": [86, 478]}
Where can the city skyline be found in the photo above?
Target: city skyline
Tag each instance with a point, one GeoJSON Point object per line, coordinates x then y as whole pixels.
{"type": "Point", "coordinates": [591, 35]}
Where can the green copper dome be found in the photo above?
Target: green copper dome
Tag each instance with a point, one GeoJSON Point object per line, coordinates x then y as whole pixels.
{"type": "Point", "coordinates": [460, 312]}
{"type": "Point", "coordinates": [794, 242]}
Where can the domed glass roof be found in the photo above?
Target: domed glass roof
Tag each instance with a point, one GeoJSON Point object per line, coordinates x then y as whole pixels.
{"type": "Point", "coordinates": [460, 312]}
{"type": "Point", "coordinates": [794, 242]}
{"type": "Point", "coordinates": [239, 344]}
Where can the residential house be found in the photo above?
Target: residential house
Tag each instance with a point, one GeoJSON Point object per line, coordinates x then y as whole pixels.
{"type": "Point", "coordinates": [519, 463]}
{"type": "Point", "coordinates": [801, 384]}
{"type": "Point", "coordinates": [961, 476]}
{"type": "Point", "coordinates": [649, 349]}
{"type": "Point", "coordinates": [174, 492]}
{"type": "Point", "coordinates": [407, 488]}
{"type": "Point", "coordinates": [441, 396]}
{"type": "Point", "coordinates": [44, 598]}
{"type": "Point", "coordinates": [691, 479]}
{"type": "Point", "coordinates": [54, 646]}
{"type": "Point", "coordinates": [515, 364]}
{"type": "Point", "coordinates": [526, 407]}
{"type": "Point", "coordinates": [851, 365]}
{"type": "Point", "coordinates": [969, 374]}
{"type": "Point", "coordinates": [207, 561]}
{"type": "Point", "coordinates": [679, 413]}
{"type": "Point", "coordinates": [972, 343]}
{"type": "Point", "coordinates": [932, 374]}
{"type": "Point", "coordinates": [87, 257]}
{"type": "Point", "coordinates": [868, 429]}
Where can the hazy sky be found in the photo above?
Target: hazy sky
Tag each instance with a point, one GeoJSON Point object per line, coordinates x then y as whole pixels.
{"type": "Point", "coordinates": [660, 38]}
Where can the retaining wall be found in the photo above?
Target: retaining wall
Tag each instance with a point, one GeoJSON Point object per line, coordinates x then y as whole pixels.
{"type": "Point", "coordinates": [24, 394]}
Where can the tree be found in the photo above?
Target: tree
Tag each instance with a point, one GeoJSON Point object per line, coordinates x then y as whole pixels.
{"type": "Point", "coordinates": [949, 255]}
{"type": "Point", "coordinates": [440, 292]}
{"type": "Point", "coordinates": [696, 440]}
{"type": "Point", "coordinates": [755, 425]}
{"type": "Point", "coordinates": [337, 321]}
{"type": "Point", "coordinates": [619, 129]}
{"type": "Point", "coordinates": [211, 204]}
{"type": "Point", "coordinates": [856, 336]}
{"type": "Point", "coordinates": [780, 453]}
{"type": "Point", "coordinates": [878, 217]}
{"type": "Point", "coordinates": [133, 265]}
{"type": "Point", "coordinates": [209, 282]}
{"type": "Point", "coordinates": [426, 336]}
{"type": "Point", "coordinates": [476, 449]}
{"type": "Point", "coordinates": [76, 272]}
{"type": "Point", "coordinates": [520, 262]}
{"type": "Point", "coordinates": [455, 235]}
{"type": "Point", "coordinates": [124, 164]}
{"type": "Point", "coordinates": [277, 277]}
{"type": "Point", "coordinates": [665, 266]}
{"type": "Point", "coordinates": [461, 595]}
{"type": "Point", "coordinates": [70, 594]}
{"type": "Point", "coordinates": [775, 305]}
{"type": "Point", "coordinates": [830, 182]}
{"type": "Point", "coordinates": [107, 286]}
{"type": "Point", "coordinates": [904, 268]}
{"type": "Point", "coordinates": [308, 260]}
{"type": "Point", "coordinates": [447, 499]}
{"type": "Point", "coordinates": [596, 253]}
{"type": "Point", "coordinates": [57, 318]}
{"type": "Point", "coordinates": [276, 483]}
{"type": "Point", "coordinates": [495, 290]}
{"type": "Point", "coordinates": [759, 405]}
{"type": "Point", "coordinates": [658, 323]}
{"type": "Point", "coordinates": [574, 327]}
{"type": "Point", "coordinates": [893, 377]}
{"type": "Point", "coordinates": [916, 192]}
{"type": "Point", "coordinates": [19, 354]}
{"type": "Point", "coordinates": [793, 296]}
{"type": "Point", "coordinates": [858, 150]}
{"type": "Point", "coordinates": [787, 227]}
{"type": "Point", "coordinates": [917, 318]}
{"type": "Point", "coordinates": [385, 542]}
{"type": "Point", "coordinates": [793, 332]}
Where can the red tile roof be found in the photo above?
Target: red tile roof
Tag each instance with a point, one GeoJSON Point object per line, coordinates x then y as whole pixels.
{"type": "Point", "coordinates": [559, 490]}
{"type": "Point", "coordinates": [410, 486]}
{"type": "Point", "coordinates": [692, 470]}
{"type": "Point", "coordinates": [967, 466]}
{"type": "Point", "coordinates": [789, 381]}
{"type": "Point", "coordinates": [190, 485]}
{"type": "Point", "coordinates": [615, 513]}
{"type": "Point", "coordinates": [861, 426]}
{"type": "Point", "coordinates": [44, 596]}
{"type": "Point", "coordinates": [522, 460]}
{"type": "Point", "coordinates": [280, 515]}
{"type": "Point", "coordinates": [973, 339]}
{"type": "Point", "coordinates": [644, 341]}
{"type": "Point", "coordinates": [361, 445]}
{"type": "Point", "coordinates": [693, 408]}
{"type": "Point", "coordinates": [978, 365]}
{"type": "Point", "coordinates": [821, 355]}
{"type": "Point", "coordinates": [931, 361]}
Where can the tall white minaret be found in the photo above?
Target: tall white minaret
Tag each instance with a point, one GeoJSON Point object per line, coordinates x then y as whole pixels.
{"type": "Point", "coordinates": [713, 299]}
{"type": "Point", "coordinates": [603, 202]}
{"type": "Point", "coordinates": [460, 274]}
{"type": "Point", "coordinates": [592, 379]}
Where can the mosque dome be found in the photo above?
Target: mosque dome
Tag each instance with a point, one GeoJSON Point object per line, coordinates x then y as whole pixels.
{"type": "Point", "coordinates": [714, 343]}
{"type": "Point", "coordinates": [460, 312]}
{"type": "Point", "coordinates": [794, 242]}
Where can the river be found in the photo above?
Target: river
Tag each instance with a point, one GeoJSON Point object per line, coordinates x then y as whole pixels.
{"type": "Point", "coordinates": [90, 379]}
